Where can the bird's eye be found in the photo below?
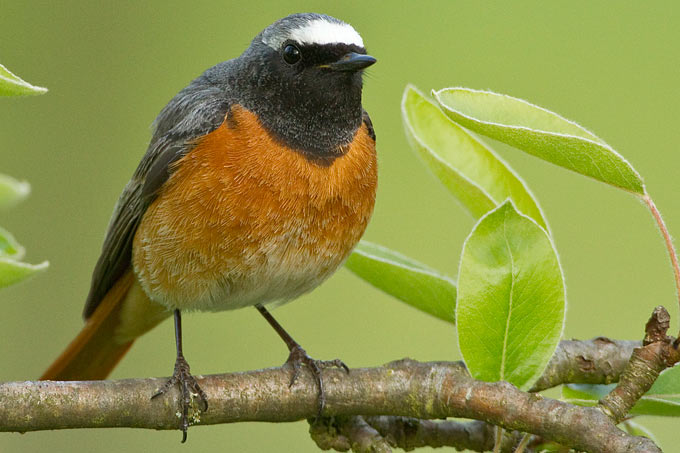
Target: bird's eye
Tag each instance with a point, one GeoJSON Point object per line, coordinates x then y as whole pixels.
{"type": "Point", "coordinates": [291, 54]}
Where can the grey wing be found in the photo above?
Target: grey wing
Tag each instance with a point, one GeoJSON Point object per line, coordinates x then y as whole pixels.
{"type": "Point", "coordinates": [369, 124]}
{"type": "Point", "coordinates": [196, 111]}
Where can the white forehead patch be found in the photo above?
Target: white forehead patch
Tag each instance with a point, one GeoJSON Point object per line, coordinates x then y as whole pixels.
{"type": "Point", "coordinates": [323, 32]}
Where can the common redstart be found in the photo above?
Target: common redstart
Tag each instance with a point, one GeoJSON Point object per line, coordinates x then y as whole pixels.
{"type": "Point", "coordinates": [258, 181]}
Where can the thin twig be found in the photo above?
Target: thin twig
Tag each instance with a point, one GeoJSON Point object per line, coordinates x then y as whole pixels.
{"type": "Point", "coordinates": [410, 433]}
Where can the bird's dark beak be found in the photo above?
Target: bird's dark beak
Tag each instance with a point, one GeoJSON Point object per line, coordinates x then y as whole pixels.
{"type": "Point", "coordinates": [352, 62]}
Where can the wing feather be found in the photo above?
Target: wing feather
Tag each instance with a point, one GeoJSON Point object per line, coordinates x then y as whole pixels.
{"type": "Point", "coordinates": [194, 112]}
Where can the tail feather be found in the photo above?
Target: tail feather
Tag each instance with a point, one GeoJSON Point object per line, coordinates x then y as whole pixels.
{"type": "Point", "coordinates": [95, 352]}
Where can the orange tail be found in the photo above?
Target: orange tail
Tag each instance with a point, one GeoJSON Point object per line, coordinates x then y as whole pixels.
{"type": "Point", "coordinates": [124, 314]}
{"type": "Point", "coordinates": [95, 352]}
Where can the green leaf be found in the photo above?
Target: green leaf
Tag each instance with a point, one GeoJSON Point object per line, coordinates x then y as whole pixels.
{"type": "Point", "coordinates": [539, 132]}
{"type": "Point", "coordinates": [469, 169]}
{"type": "Point", "coordinates": [662, 399]}
{"type": "Point", "coordinates": [12, 271]}
{"type": "Point", "coordinates": [11, 85]}
{"type": "Point", "coordinates": [511, 298]}
{"type": "Point", "coordinates": [12, 191]}
{"type": "Point", "coordinates": [9, 247]}
{"type": "Point", "coordinates": [405, 279]}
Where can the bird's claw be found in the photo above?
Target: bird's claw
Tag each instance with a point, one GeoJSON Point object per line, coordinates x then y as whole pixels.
{"type": "Point", "coordinates": [298, 356]}
{"type": "Point", "coordinates": [188, 386]}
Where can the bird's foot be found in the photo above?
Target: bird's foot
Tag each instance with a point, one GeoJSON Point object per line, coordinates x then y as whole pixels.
{"type": "Point", "coordinates": [298, 356]}
{"type": "Point", "coordinates": [189, 388]}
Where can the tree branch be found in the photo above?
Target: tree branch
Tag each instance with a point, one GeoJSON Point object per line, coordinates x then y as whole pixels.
{"type": "Point", "coordinates": [596, 361]}
{"type": "Point", "coordinates": [402, 388]}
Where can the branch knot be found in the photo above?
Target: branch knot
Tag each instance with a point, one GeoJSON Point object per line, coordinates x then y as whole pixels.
{"type": "Point", "coordinates": [647, 362]}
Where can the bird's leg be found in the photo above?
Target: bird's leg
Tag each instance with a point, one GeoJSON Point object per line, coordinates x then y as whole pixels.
{"type": "Point", "coordinates": [298, 356]}
{"type": "Point", "coordinates": [188, 385]}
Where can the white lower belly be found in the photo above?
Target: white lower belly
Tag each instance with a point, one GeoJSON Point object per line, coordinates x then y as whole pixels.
{"type": "Point", "coordinates": [273, 279]}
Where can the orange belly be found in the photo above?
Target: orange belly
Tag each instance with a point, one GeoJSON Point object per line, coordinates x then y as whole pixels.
{"type": "Point", "coordinates": [245, 220]}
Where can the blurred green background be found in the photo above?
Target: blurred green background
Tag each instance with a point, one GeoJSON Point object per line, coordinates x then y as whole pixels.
{"type": "Point", "coordinates": [111, 66]}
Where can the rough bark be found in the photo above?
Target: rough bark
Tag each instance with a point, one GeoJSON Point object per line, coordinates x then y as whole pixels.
{"type": "Point", "coordinates": [375, 409]}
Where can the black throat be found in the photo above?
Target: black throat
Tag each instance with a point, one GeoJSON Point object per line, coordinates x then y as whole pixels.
{"type": "Point", "coordinates": [312, 110]}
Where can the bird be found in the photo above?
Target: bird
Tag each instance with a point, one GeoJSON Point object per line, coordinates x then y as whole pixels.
{"type": "Point", "coordinates": [259, 179]}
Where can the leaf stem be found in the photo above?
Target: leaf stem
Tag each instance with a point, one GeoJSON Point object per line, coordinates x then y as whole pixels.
{"type": "Point", "coordinates": [669, 242]}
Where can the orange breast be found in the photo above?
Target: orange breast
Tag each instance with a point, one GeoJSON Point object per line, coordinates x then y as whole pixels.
{"type": "Point", "coordinates": [245, 220]}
